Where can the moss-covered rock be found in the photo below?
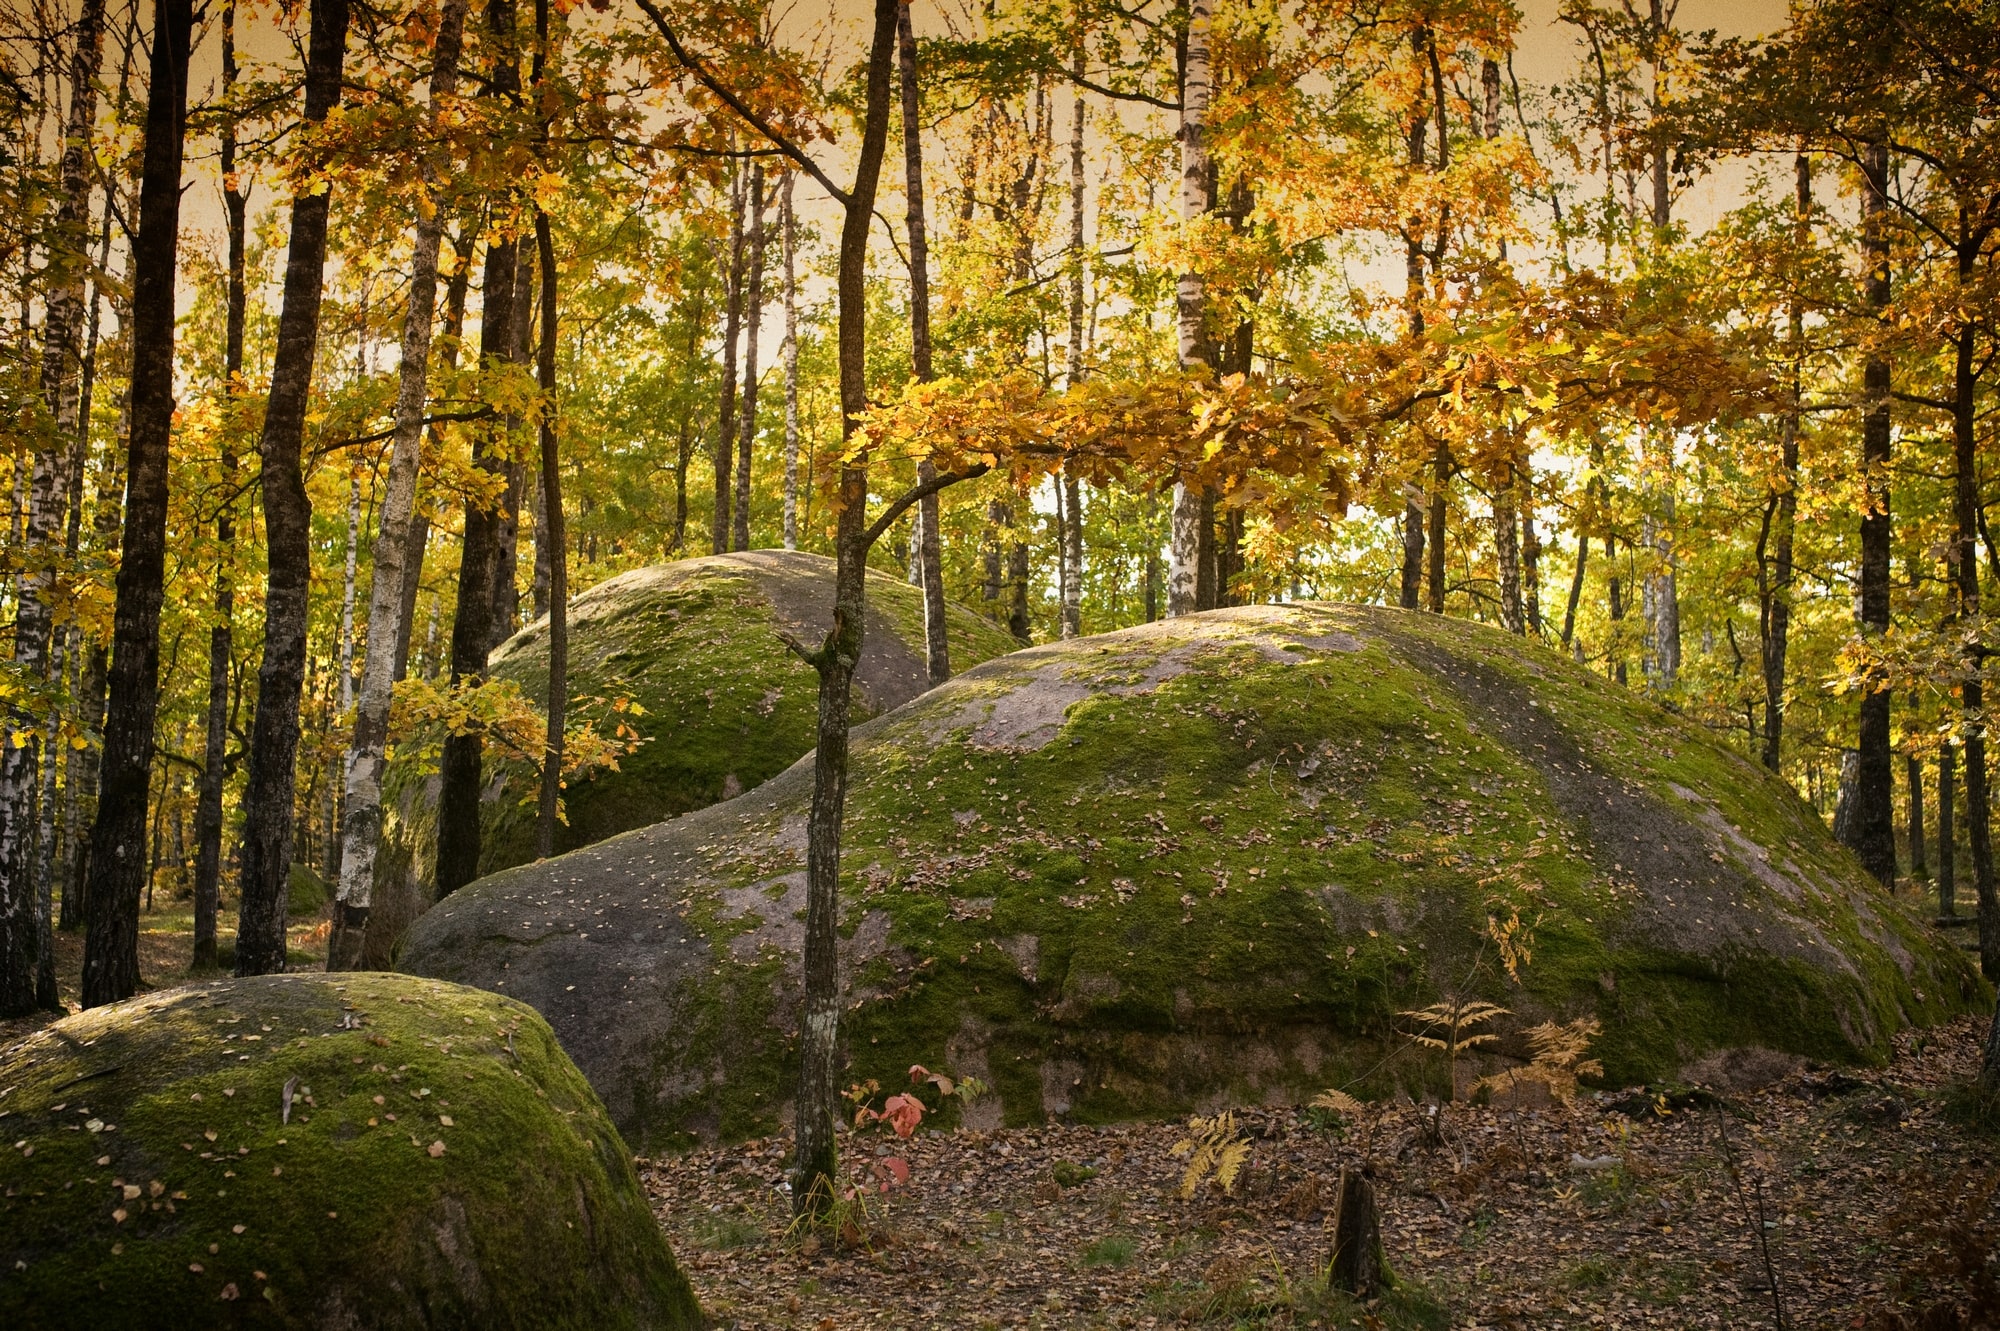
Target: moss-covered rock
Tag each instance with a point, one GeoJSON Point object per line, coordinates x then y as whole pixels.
{"type": "Point", "coordinates": [318, 1151]}
{"type": "Point", "coordinates": [1211, 860]}
{"type": "Point", "coordinates": [725, 705]}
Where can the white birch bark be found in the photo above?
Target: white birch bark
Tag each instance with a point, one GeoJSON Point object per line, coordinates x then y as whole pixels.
{"type": "Point", "coordinates": [362, 823]}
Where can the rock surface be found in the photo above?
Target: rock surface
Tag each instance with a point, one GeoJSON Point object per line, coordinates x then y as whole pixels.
{"type": "Point", "coordinates": [363, 1150]}
{"type": "Point", "coordinates": [1210, 861]}
{"type": "Point", "coordinates": [724, 705]}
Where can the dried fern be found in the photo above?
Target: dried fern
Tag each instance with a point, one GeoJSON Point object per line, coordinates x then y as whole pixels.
{"type": "Point", "coordinates": [1214, 1150]}
{"type": "Point", "coordinates": [1559, 1059]}
{"type": "Point", "coordinates": [1340, 1102]}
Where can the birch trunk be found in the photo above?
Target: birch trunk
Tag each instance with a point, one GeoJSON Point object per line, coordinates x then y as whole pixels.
{"type": "Point", "coordinates": [789, 225]}
{"type": "Point", "coordinates": [732, 321]}
{"type": "Point", "coordinates": [1071, 554]}
{"type": "Point", "coordinates": [1192, 512]}
{"type": "Point", "coordinates": [361, 823]}
{"type": "Point", "coordinates": [754, 322]}
{"type": "Point", "coordinates": [27, 931]}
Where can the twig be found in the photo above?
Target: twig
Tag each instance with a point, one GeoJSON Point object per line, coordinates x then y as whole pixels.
{"type": "Point", "coordinates": [1762, 1230]}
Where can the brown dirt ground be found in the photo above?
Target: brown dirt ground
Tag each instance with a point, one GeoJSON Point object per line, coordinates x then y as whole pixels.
{"type": "Point", "coordinates": [1581, 1217]}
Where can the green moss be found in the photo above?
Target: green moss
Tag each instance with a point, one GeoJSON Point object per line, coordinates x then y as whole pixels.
{"type": "Point", "coordinates": [1212, 861]}
{"type": "Point", "coordinates": [437, 1138]}
{"type": "Point", "coordinates": [724, 704]}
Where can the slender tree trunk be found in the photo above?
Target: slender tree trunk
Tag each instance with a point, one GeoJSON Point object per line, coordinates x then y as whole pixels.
{"type": "Point", "coordinates": [80, 776]}
{"type": "Point", "coordinates": [753, 323]}
{"type": "Point", "coordinates": [1947, 834]}
{"type": "Point", "coordinates": [930, 551]}
{"type": "Point", "coordinates": [350, 576]}
{"type": "Point", "coordinates": [459, 774]}
{"type": "Point", "coordinates": [1071, 553]}
{"type": "Point", "coordinates": [117, 865]}
{"type": "Point", "coordinates": [418, 542]}
{"type": "Point", "coordinates": [268, 801]}
{"type": "Point", "coordinates": [1410, 593]}
{"type": "Point", "coordinates": [1785, 503]}
{"type": "Point", "coordinates": [1440, 499]}
{"type": "Point", "coordinates": [1190, 539]}
{"type": "Point", "coordinates": [1871, 828]}
{"type": "Point", "coordinates": [1913, 771]}
{"type": "Point", "coordinates": [789, 226]}
{"type": "Point", "coordinates": [507, 521]}
{"type": "Point", "coordinates": [221, 644]}
{"type": "Point", "coordinates": [1507, 551]}
{"type": "Point", "coordinates": [1531, 550]}
{"type": "Point", "coordinates": [27, 928]}
{"type": "Point", "coordinates": [725, 429]}
{"type": "Point", "coordinates": [818, 1105]}
{"type": "Point", "coordinates": [549, 811]}
{"type": "Point", "coordinates": [1965, 560]}
{"type": "Point", "coordinates": [550, 808]}
{"type": "Point", "coordinates": [388, 607]}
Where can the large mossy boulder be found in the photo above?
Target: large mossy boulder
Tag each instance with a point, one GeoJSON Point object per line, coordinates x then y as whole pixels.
{"type": "Point", "coordinates": [319, 1151]}
{"type": "Point", "coordinates": [723, 705]}
{"type": "Point", "coordinates": [1208, 861]}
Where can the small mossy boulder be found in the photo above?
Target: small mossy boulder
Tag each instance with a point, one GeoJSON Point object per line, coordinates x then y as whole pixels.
{"type": "Point", "coordinates": [1213, 860]}
{"type": "Point", "coordinates": [318, 1151]}
{"type": "Point", "coordinates": [722, 705]}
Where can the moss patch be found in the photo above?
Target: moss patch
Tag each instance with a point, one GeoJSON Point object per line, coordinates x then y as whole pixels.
{"type": "Point", "coordinates": [1209, 861]}
{"type": "Point", "coordinates": [444, 1164]}
{"type": "Point", "coordinates": [726, 705]}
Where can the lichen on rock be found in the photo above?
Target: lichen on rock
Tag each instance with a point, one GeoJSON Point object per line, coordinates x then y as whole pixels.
{"type": "Point", "coordinates": [724, 705]}
{"type": "Point", "coordinates": [1209, 861]}
{"type": "Point", "coordinates": [319, 1151]}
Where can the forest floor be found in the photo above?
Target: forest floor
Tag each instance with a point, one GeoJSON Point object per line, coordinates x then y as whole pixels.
{"type": "Point", "coordinates": [1866, 1195]}
{"type": "Point", "coordinates": [166, 954]}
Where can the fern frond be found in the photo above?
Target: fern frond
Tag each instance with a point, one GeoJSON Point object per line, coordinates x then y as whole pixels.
{"type": "Point", "coordinates": [1340, 1102]}
{"type": "Point", "coordinates": [1229, 1162]}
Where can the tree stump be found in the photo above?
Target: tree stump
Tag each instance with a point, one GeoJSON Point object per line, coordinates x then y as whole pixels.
{"type": "Point", "coordinates": [1357, 1238]}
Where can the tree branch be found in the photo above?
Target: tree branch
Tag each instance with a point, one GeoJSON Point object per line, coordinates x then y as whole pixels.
{"type": "Point", "coordinates": [921, 492]}
{"type": "Point", "coordinates": [736, 104]}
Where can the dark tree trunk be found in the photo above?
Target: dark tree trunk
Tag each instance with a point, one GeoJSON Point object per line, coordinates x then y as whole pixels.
{"type": "Point", "coordinates": [507, 528]}
{"type": "Point", "coordinates": [420, 525]}
{"type": "Point", "coordinates": [268, 801]}
{"type": "Point", "coordinates": [221, 645]}
{"type": "Point", "coordinates": [117, 866]}
{"type": "Point", "coordinates": [1784, 507]}
{"type": "Point", "coordinates": [1965, 508]}
{"type": "Point", "coordinates": [818, 1102]}
{"type": "Point", "coordinates": [930, 553]}
{"type": "Point", "coordinates": [549, 810]}
{"type": "Point", "coordinates": [459, 774]}
{"type": "Point", "coordinates": [1871, 829]}
{"type": "Point", "coordinates": [1441, 469]}
{"type": "Point", "coordinates": [1947, 833]}
{"type": "Point", "coordinates": [1913, 769]}
{"type": "Point", "coordinates": [1357, 1268]}
{"type": "Point", "coordinates": [1017, 592]}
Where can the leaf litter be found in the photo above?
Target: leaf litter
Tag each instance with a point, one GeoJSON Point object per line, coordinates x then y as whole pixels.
{"type": "Point", "coordinates": [1629, 1209]}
